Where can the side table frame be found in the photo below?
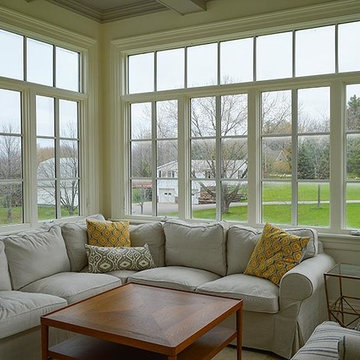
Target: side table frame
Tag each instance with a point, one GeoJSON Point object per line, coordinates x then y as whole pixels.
{"type": "Point", "coordinates": [341, 306]}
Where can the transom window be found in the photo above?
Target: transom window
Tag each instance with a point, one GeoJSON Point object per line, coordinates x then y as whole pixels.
{"type": "Point", "coordinates": [38, 62]}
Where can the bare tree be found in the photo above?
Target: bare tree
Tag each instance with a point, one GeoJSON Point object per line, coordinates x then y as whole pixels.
{"type": "Point", "coordinates": [10, 170]}
{"type": "Point", "coordinates": [68, 174]}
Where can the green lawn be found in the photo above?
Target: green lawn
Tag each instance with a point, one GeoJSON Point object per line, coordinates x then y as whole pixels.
{"type": "Point", "coordinates": [45, 213]}
{"type": "Point", "coordinates": [308, 214]}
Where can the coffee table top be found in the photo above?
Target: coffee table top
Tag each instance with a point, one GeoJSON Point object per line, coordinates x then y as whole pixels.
{"type": "Point", "coordinates": [149, 317]}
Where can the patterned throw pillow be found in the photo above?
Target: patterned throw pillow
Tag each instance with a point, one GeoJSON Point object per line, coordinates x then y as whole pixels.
{"type": "Point", "coordinates": [108, 233]}
{"type": "Point", "coordinates": [104, 259]}
{"type": "Point", "coordinates": [276, 253]}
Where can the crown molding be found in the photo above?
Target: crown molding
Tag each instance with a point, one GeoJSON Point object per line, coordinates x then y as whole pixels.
{"type": "Point", "coordinates": [123, 12]}
{"type": "Point", "coordinates": [116, 13]}
{"type": "Point", "coordinates": [337, 11]}
{"type": "Point", "coordinates": [14, 21]}
{"type": "Point", "coordinates": [79, 8]}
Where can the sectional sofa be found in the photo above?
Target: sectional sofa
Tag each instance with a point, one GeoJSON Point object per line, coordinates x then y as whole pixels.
{"type": "Point", "coordinates": [44, 270]}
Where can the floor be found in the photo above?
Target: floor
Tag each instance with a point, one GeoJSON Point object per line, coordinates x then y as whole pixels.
{"type": "Point", "coordinates": [229, 353]}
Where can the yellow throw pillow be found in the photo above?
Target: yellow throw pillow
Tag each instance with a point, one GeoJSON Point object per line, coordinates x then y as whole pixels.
{"type": "Point", "coordinates": [275, 253]}
{"type": "Point", "coordinates": [108, 233]}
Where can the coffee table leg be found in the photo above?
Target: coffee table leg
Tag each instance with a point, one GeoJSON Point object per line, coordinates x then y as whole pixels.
{"type": "Point", "coordinates": [44, 341]}
{"type": "Point", "coordinates": [239, 333]}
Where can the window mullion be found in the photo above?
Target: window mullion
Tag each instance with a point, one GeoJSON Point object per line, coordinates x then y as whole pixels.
{"type": "Point", "coordinates": [57, 161]}
{"type": "Point", "coordinates": [29, 157]}
{"type": "Point", "coordinates": [218, 183]}
{"type": "Point", "coordinates": [337, 163]}
{"type": "Point", "coordinates": [184, 186]}
{"type": "Point", "coordinates": [254, 162]}
{"type": "Point", "coordinates": [294, 147]}
{"type": "Point", "coordinates": [154, 158]}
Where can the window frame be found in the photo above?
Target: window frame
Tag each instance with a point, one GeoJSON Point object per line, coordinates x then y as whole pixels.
{"type": "Point", "coordinates": [87, 107]}
{"type": "Point", "coordinates": [336, 81]}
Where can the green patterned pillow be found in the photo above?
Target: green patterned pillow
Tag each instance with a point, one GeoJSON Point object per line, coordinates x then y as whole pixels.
{"type": "Point", "coordinates": [105, 259]}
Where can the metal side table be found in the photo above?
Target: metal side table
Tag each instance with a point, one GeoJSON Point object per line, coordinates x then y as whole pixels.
{"type": "Point", "coordinates": [344, 309]}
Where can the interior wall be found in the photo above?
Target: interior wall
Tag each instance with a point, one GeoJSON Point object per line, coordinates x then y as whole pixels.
{"type": "Point", "coordinates": [55, 15]}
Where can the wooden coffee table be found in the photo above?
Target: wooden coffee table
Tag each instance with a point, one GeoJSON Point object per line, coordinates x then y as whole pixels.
{"type": "Point", "coordinates": [144, 322]}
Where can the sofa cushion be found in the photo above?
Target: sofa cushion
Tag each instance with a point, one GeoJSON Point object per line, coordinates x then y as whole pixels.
{"type": "Point", "coordinates": [174, 277]}
{"type": "Point", "coordinates": [153, 235]}
{"type": "Point", "coordinates": [20, 311]}
{"type": "Point", "coordinates": [199, 246]}
{"type": "Point", "coordinates": [312, 247]}
{"type": "Point", "coordinates": [323, 342]}
{"type": "Point", "coordinates": [108, 233]}
{"type": "Point", "coordinates": [123, 275]}
{"type": "Point", "coordinates": [276, 253]}
{"type": "Point", "coordinates": [103, 259]}
{"type": "Point", "coordinates": [259, 295]}
{"type": "Point", "coordinates": [35, 255]}
{"type": "Point", "coordinates": [75, 237]}
{"type": "Point", "coordinates": [349, 346]}
{"type": "Point", "coordinates": [5, 282]}
{"type": "Point", "coordinates": [73, 286]}
{"type": "Point", "coordinates": [241, 242]}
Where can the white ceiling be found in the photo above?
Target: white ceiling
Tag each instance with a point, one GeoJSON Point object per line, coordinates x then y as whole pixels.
{"type": "Point", "coordinates": [110, 10]}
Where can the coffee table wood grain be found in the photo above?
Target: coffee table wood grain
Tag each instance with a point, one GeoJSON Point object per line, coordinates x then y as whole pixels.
{"type": "Point", "coordinates": [144, 322]}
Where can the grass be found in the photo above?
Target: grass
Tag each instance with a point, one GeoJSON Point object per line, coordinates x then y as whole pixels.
{"type": "Point", "coordinates": [308, 214]}
{"type": "Point", "coordinates": [44, 213]}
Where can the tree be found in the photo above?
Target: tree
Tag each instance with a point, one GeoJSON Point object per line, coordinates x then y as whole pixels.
{"type": "Point", "coordinates": [353, 113]}
{"type": "Point", "coordinates": [10, 170]}
{"type": "Point", "coordinates": [233, 165]}
{"type": "Point", "coordinates": [353, 141]}
{"type": "Point", "coordinates": [313, 158]}
{"type": "Point", "coordinates": [67, 182]}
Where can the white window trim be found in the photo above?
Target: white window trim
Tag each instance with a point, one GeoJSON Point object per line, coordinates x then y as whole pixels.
{"type": "Point", "coordinates": [307, 17]}
{"type": "Point", "coordinates": [88, 125]}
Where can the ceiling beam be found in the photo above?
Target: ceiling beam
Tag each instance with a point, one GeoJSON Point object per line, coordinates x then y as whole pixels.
{"type": "Point", "coordinates": [184, 7]}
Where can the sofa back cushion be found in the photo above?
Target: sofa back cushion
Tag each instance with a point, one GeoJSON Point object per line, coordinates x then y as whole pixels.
{"type": "Point", "coordinates": [5, 283]}
{"type": "Point", "coordinates": [35, 255]}
{"type": "Point", "coordinates": [241, 242]}
{"type": "Point", "coordinates": [153, 235]}
{"type": "Point", "coordinates": [75, 237]}
{"type": "Point", "coordinates": [312, 247]}
{"type": "Point", "coordinates": [201, 246]}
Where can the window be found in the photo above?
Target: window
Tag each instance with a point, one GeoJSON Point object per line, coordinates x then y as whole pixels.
{"type": "Point", "coordinates": [57, 157]}
{"type": "Point", "coordinates": [253, 126]}
{"type": "Point", "coordinates": [271, 63]}
{"type": "Point", "coordinates": [214, 171]}
{"type": "Point", "coordinates": [56, 139]}
{"type": "Point", "coordinates": [300, 198]}
{"type": "Point", "coordinates": [154, 152]}
{"type": "Point", "coordinates": [352, 130]}
{"type": "Point", "coordinates": [11, 172]}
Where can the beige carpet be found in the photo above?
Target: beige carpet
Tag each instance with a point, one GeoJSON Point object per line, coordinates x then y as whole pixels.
{"type": "Point", "coordinates": [229, 353]}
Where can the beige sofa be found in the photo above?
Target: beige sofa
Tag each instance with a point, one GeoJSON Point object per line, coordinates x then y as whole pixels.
{"type": "Point", "coordinates": [44, 270]}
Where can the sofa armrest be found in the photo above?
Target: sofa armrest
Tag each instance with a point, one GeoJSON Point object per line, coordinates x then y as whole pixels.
{"type": "Point", "coordinates": [304, 279]}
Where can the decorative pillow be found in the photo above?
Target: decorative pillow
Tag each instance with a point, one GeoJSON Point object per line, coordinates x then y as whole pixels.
{"type": "Point", "coordinates": [276, 253]}
{"type": "Point", "coordinates": [104, 259]}
{"type": "Point", "coordinates": [108, 233]}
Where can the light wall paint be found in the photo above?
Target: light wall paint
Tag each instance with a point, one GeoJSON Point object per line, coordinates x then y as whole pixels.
{"type": "Point", "coordinates": [344, 249]}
